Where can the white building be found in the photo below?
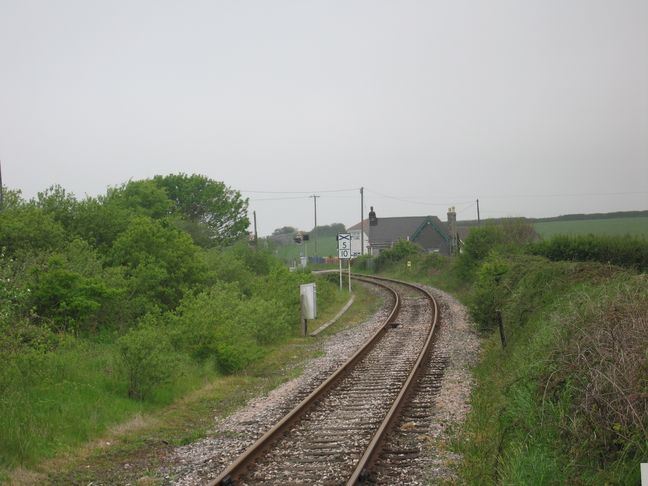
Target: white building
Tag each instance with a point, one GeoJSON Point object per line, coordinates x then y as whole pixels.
{"type": "Point", "coordinates": [356, 239]}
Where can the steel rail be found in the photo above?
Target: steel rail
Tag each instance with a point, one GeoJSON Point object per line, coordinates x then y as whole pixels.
{"type": "Point", "coordinates": [227, 476]}
{"type": "Point", "coordinates": [361, 471]}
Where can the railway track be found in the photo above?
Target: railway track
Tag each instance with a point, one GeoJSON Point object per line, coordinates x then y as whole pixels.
{"type": "Point", "coordinates": [358, 425]}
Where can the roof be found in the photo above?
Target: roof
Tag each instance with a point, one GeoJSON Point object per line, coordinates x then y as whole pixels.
{"type": "Point", "coordinates": [365, 225]}
{"type": "Point", "coordinates": [390, 230]}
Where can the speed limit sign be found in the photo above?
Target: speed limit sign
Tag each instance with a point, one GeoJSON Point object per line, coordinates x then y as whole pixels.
{"type": "Point", "coordinates": [344, 246]}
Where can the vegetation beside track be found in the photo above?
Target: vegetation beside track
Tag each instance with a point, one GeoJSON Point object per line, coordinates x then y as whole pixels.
{"type": "Point", "coordinates": [566, 401]}
{"type": "Point", "coordinates": [144, 442]}
{"type": "Point", "coordinates": [117, 306]}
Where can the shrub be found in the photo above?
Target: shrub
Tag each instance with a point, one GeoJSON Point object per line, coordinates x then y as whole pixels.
{"type": "Point", "coordinates": [488, 294]}
{"type": "Point", "coordinates": [510, 235]}
{"type": "Point", "coordinates": [401, 251]}
{"type": "Point", "coordinates": [149, 358]}
{"type": "Point", "coordinates": [68, 298]}
{"type": "Point", "coordinates": [363, 263]}
{"type": "Point", "coordinates": [602, 366]}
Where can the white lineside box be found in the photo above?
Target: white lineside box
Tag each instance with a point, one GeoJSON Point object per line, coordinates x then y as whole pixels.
{"type": "Point", "coordinates": [308, 294]}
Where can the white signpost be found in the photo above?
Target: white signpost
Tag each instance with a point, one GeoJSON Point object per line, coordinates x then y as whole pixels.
{"type": "Point", "coordinates": [344, 253]}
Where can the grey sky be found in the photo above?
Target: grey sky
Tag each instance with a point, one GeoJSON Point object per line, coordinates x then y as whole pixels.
{"type": "Point", "coordinates": [538, 108]}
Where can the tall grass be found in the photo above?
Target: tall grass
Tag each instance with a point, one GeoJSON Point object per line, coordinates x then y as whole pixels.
{"type": "Point", "coordinates": [563, 403]}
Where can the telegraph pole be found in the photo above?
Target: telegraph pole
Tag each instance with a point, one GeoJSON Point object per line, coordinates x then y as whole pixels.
{"type": "Point", "coordinates": [315, 229]}
{"type": "Point", "coordinates": [362, 221]}
{"type": "Point", "coordinates": [478, 220]}
{"type": "Point", "coordinates": [1, 191]}
{"type": "Point", "coordinates": [256, 238]}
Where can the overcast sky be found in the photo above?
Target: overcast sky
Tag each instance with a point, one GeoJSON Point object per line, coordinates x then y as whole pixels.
{"type": "Point", "coordinates": [537, 108]}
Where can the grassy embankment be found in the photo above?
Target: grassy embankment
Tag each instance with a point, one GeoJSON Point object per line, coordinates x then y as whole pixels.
{"type": "Point", "coordinates": [566, 401]}
{"type": "Point", "coordinates": [181, 414]}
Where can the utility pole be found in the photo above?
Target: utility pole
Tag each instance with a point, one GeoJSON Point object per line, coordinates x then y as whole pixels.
{"type": "Point", "coordinates": [478, 220]}
{"type": "Point", "coordinates": [256, 237]}
{"type": "Point", "coordinates": [315, 229]}
{"type": "Point", "coordinates": [362, 221]}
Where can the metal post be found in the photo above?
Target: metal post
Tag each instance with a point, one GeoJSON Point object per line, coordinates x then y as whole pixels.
{"type": "Point", "coordinates": [349, 260]}
{"type": "Point", "coordinates": [340, 261]}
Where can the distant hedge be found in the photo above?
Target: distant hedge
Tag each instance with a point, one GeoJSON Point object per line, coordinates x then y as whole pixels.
{"type": "Point", "coordinates": [624, 251]}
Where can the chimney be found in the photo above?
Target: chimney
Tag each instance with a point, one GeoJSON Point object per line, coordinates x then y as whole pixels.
{"type": "Point", "coordinates": [452, 229]}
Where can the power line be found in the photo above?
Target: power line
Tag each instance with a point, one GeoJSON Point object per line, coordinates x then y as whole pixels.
{"type": "Point", "coordinates": [411, 201]}
{"type": "Point", "coordinates": [300, 192]}
{"type": "Point", "coordinates": [278, 198]}
{"type": "Point", "coordinates": [566, 194]}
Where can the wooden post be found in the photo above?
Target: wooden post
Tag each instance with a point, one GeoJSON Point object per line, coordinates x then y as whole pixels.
{"type": "Point", "coordinates": [500, 323]}
{"type": "Point", "coordinates": [256, 236]}
{"type": "Point", "coordinates": [304, 322]}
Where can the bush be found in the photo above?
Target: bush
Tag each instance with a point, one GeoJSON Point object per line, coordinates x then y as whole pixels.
{"type": "Point", "coordinates": [567, 401]}
{"type": "Point", "coordinates": [223, 325]}
{"type": "Point", "coordinates": [509, 235]}
{"type": "Point", "coordinates": [602, 367]}
{"type": "Point", "coordinates": [69, 299]}
{"type": "Point", "coordinates": [488, 294]}
{"type": "Point", "coordinates": [149, 358]}
{"type": "Point", "coordinates": [362, 263]}
{"type": "Point", "coordinates": [401, 251]}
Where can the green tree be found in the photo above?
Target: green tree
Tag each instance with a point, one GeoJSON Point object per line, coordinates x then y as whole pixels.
{"type": "Point", "coordinates": [144, 198]}
{"type": "Point", "coordinates": [98, 223]}
{"type": "Point", "coordinates": [161, 261]}
{"type": "Point", "coordinates": [11, 198]}
{"type": "Point", "coordinates": [29, 228]}
{"type": "Point", "coordinates": [68, 298]}
{"type": "Point", "coordinates": [58, 203]}
{"type": "Point", "coordinates": [207, 202]}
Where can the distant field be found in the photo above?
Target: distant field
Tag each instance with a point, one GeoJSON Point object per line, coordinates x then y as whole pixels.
{"type": "Point", "coordinates": [326, 246]}
{"type": "Point", "coordinates": [614, 226]}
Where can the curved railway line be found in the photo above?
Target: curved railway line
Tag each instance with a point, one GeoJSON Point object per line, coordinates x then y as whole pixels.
{"type": "Point", "coordinates": [359, 425]}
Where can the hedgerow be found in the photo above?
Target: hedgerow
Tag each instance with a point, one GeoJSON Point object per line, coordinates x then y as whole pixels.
{"type": "Point", "coordinates": [624, 251]}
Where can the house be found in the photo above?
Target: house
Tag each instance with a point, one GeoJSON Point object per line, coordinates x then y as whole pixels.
{"type": "Point", "coordinates": [432, 234]}
{"type": "Point", "coordinates": [357, 238]}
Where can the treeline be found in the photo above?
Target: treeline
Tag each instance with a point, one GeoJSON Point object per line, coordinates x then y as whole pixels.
{"type": "Point", "coordinates": [130, 298]}
{"type": "Point", "coordinates": [561, 395]}
{"type": "Point", "coordinates": [581, 217]}
{"type": "Point", "coordinates": [564, 217]}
